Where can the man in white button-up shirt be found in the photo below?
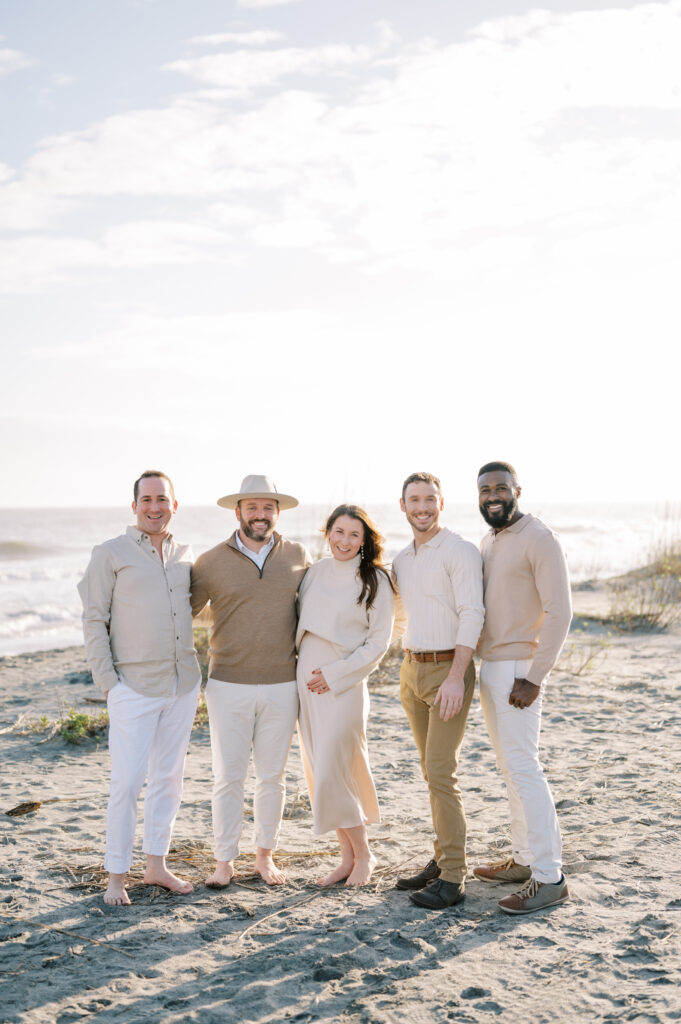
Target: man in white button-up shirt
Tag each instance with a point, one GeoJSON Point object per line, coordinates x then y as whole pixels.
{"type": "Point", "coordinates": [439, 576]}
{"type": "Point", "coordinates": [139, 645]}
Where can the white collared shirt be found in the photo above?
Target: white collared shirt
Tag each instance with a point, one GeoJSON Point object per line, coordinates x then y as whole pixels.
{"type": "Point", "coordinates": [255, 556]}
{"type": "Point", "coordinates": [441, 589]}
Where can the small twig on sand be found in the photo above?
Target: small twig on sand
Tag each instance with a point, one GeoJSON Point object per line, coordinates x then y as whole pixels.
{"type": "Point", "coordinates": [62, 931]}
{"type": "Point", "coordinates": [12, 727]}
{"type": "Point", "coordinates": [275, 913]}
{"type": "Point", "coordinates": [383, 873]}
{"type": "Point", "coordinates": [243, 885]}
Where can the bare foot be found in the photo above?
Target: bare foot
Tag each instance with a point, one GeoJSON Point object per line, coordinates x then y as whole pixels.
{"type": "Point", "coordinates": [267, 869]}
{"type": "Point", "coordinates": [222, 876]}
{"type": "Point", "coordinates": [338, 874]}
{"type": "Point", "coordinates": [116, 894]}
{"type": "Point", "coordinates": [361, 873]}
{"type": "Point", "coordinates": [167, 880]}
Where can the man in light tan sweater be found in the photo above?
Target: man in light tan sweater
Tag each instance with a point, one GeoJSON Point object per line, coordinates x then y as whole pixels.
{"type": "Point", "coordinates": [251, 582]}
{"type": "Point", "coordinates": [527, 617]}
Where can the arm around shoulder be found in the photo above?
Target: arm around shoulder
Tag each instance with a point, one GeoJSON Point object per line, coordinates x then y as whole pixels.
{"type": "Point", "coordinates": [199, 586]}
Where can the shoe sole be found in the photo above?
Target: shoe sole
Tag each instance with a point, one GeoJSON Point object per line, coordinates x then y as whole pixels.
{"type": "Point", "coordinates": [534, 910]}
{"type": "Point", "coordinates": [429, 906]}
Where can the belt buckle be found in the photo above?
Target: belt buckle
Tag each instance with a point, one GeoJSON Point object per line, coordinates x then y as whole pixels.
{"type": "Point", "coordinates": [435, 661]}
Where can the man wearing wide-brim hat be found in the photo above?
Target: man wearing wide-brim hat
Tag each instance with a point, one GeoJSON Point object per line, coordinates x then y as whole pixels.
{"type": "Point", "coordinates": [251, 581]}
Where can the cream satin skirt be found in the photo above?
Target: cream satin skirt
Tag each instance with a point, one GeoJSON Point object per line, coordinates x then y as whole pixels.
{"type": "Point", "coordinates": [332, 732]}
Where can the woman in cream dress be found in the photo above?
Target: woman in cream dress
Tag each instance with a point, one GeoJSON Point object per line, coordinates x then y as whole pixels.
{"type": "Point", "coordinates": [346, 620]}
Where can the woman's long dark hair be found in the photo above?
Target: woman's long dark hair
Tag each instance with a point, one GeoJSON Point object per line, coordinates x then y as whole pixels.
{"type": "Point", "coordinates": [371, 562]}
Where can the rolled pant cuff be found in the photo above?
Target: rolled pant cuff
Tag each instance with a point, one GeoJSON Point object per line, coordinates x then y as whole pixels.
{"type": "Point", "coordinates": [547, 877]}
{"type": "Point", "coordinates": [156, 849]}
{"type": "Point", "coordinates": [267, 842]}
{"type": "Point", "coordinates": [116, 867]}
{"type": "Point", "coordinates": [455, 877]}
{"type": "Point", "coordinates": [226, 854]}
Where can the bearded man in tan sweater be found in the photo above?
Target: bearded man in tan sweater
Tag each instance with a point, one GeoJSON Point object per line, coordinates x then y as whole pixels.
{"type": "Point", "coordinates": [251, 581]}
{"type": "Point", "coordinates": [528, 612]}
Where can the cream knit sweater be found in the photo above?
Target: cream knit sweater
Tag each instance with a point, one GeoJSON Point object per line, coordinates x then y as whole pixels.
{"type": "Point", "coordinates": [329, 609]}
{"type": "Point", "coordinates": [528, 606]}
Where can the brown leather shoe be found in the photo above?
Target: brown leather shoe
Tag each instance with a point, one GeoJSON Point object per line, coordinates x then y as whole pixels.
{"type": "Point", "coordinates": [535, 895]}
{"type": "Point", "coordinates": [502, 871]}
{"type": "Point", "coordinates": [429, 874]}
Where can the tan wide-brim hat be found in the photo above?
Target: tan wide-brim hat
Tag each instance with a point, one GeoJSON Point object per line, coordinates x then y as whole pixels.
{"type": "Point", "coordinates": [255, 486]}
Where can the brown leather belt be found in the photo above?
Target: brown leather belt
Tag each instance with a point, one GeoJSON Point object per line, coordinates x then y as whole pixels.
{"type": "Point", "coordinates": [435, 656]}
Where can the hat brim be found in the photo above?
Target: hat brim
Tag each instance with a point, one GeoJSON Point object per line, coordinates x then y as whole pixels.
{"type": "Point", "coordinates": [285, 501]}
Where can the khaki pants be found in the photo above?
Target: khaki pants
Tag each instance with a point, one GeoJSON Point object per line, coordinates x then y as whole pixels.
{"type": "Point", "coordinates": [438, 745]}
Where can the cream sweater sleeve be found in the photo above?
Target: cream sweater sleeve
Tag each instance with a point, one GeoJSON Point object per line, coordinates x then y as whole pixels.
{"type": "Point", "coordinates": [347, 672]}
{"type": "Point", "coordinates": [553, 586]}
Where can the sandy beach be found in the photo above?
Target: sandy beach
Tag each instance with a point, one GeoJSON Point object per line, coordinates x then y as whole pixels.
{"type": "Point", "coordinates": [612, 749]}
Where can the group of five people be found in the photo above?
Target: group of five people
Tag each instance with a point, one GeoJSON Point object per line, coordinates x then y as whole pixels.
{"type": "Point", "coordinates": [294, 641]}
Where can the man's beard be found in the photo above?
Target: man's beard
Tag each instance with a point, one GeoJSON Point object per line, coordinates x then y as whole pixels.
{"type": "Point", "coordinates": [504, 516]}
{"type": "Point", "coordinates": [258, 533]}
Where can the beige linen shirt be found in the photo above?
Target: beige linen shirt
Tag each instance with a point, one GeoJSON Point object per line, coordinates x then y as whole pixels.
{"type": "Point", "coordinates": [137, 619]}
{"type": "Point", "coordinates": [528, 605]}
{"type": "Point", "coordinates": [441, 590]}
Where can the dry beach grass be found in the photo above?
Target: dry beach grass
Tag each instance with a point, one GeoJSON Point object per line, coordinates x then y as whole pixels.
{"type": "Point", "coordinates": [612, 748]}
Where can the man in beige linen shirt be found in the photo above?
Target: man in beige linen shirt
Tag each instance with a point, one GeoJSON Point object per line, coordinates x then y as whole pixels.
{"type": "Point", "coordinates": [527, 616]}
{"type": "Point", "coordinates": [439, 576]}
{"type": "Point", "coordinates": [139, 645]}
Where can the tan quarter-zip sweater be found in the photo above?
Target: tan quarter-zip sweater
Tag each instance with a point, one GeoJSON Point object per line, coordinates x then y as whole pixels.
{"type": "Point", "coordinates": [253, 610]}
{"type": "Point", "coordinates": [528, 606]}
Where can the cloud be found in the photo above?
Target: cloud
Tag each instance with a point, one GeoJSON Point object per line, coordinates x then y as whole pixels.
{"type": "Point", "coordinates": [265, 3]}
{"type": "Point", "coordinates": [13, 60]}
{"type": "Point", "coordinates": [256, 38]}
{"type": "Point", "coordinates": [39, 260]}
{"type": "Point", "coordinates": [241, 72]}
{"type": "Point", "coordinates": [488, 155]}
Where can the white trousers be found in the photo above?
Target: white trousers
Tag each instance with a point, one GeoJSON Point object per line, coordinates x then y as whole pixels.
{"type": "Point", "coordinates": [148, 737]}
{"type": "Point", "coordinates": [245, 716]}
{"type": "Point", "coordinates": [514, 732]}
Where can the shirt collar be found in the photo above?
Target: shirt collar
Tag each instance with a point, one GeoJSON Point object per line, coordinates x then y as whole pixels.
{"type": "Point", "coordinates": [140, 537]}
{"type": "Point", "coordinates": [524, 521]}
{"type": "Point", "coordinates": [434, 541]}
{"type": "Point", "coordinates": [265, 549]}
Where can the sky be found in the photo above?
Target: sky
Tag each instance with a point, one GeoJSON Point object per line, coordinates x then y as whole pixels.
{"type": "Point", "coordinates": [336, 243]}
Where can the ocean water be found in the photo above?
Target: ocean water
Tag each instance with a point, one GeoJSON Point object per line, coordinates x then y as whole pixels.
{"type": "Point", "coordinates": [43, 552]}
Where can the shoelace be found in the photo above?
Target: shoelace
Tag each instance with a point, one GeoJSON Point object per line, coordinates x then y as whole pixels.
{"type": "Point", "coordinates": [502, 865]}
{"type": "Point", "coordinates": [530, 889]}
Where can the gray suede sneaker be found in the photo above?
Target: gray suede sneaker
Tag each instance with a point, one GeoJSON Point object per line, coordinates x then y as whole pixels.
{"type": "Point", "coordinates": [502, 871]}
{"type": "Point", "coordinates": [535, 895]}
